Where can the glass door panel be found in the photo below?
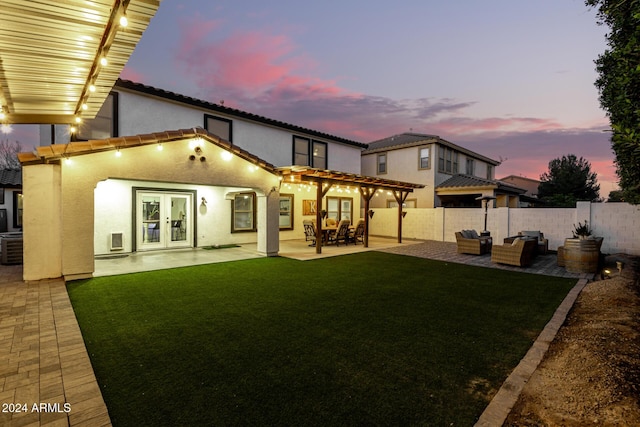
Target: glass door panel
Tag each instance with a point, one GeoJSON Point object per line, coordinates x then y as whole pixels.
{"type": "Point", "coordinates": [151, 226]}
{"type": "Point", "coordinates": [164, 220]}
{"type": "Point", "coordinates": [179, 221]}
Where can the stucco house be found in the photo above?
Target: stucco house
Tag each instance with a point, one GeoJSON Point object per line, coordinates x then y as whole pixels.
{"type": "Point", "coordinates": [181, 189]}
{"type": "Point", "coordinates": [133, 108]}
{"type": "Point", "coordinates": [453, 175]}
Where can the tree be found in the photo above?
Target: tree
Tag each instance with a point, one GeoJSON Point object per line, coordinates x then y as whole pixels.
{"type": "Point", "coordinates": [615, 196]}
{"type": "Point", "coordinates": [9, 154]}
{"type": "Point", "coordinates": [619, 87]}
{"type": "Point", "coordinates": [568, 180]}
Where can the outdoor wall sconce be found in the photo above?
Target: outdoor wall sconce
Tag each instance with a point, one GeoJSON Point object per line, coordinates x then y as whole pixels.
{"type": "Point", "coordinates": [203, 201]}
{"type": "Point", "coordinates": [371, 213]}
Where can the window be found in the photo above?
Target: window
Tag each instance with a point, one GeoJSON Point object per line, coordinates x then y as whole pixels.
{"type": "Point", "coordinates": [470, 167]}
{"type": "Point", "coordinates": [301, 151]}
{"type": "Point", "coordinates": [105, 124]}
{"type": "Point", "coordinates": [319, 155]}
{"type": "Point", "coordinates": [286, 212]}
{"type": "Point", "coordinates": [424, 158]}
{"type": "Point", "coordinates": [219, 126]}
{"type": "Point", "coordinates": [489, 171]}
{"type": "Point", "coordinates": [447, 160]}
{"type": "Point", "coordinates": [409, 203]}
{"type": "Point", "coordinates": [243, 215]}
{"type": "Point", "coordinates": [340, 208]}
{"type": "Point", "coordinates": [382, 163]}
{"type": "Point", "coordinates": [307, 152]}
{"type": "Point", "coordinates": [17, 209]}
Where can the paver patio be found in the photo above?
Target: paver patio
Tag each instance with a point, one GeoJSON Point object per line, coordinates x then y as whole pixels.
{"type": "Point", "coordinates": [46, 377]}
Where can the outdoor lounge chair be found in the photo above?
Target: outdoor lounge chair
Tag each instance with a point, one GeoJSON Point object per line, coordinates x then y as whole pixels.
{"type": "Point", "coordinates": [519, 253]}
{"type": "Point", "coordinates": [469, 242]}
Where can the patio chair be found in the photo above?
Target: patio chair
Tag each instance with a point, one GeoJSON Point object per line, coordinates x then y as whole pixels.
{"type": "Point", "coordinates": [469, 242]}
{"type": "Point", "coordinates": [519, 253]}
{"type": "Point", "coordinates": [309, 232]}
{"type": "Point", "coordinates": [358, 234]}
{"type": "Point", "coordinates": [543, 244]}
{"type": "Point", "coordinates": [341, 234]}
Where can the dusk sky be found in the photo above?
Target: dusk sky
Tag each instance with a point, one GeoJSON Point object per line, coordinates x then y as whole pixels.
{"type": "Point", "coordinates": [509, 79]}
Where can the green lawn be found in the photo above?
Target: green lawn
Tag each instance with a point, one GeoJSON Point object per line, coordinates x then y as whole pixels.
{"type": "Point", "coordinates": [363, 339]}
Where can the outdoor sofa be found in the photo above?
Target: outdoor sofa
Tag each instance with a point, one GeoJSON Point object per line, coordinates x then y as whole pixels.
{"type": "Point", "coordinates": [469, 242]}
{"type": "Point", "coordinates": [543, 244]}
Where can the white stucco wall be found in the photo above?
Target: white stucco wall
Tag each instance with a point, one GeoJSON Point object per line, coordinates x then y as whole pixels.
{"type": "Point", "coordinates": [617, 223]}
{"type": "Point", "coordinates": [307, 192]}
{"type": "Point", "coordinates": [143, 114]}
{"type": "Point", "coordinates": [69, 189]}
{"type": "Point", "coordinates": [114, 212]}
{"type": "Point", "coordinates": [42, 220]}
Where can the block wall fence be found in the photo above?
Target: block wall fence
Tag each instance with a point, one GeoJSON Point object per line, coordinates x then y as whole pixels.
{"type": "Point", "coordinates": [617, 223]}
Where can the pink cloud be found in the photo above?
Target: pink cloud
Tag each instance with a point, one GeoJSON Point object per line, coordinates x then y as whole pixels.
{"type": "Point", "coordinates": [266, 74]}
{"type": "Point", "coordinates": [243, 67]}
{"type": "Point", "coordinates": [128, 73]}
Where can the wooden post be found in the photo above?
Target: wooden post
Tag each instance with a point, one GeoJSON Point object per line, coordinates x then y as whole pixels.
{"type": "Point", "coordinates": [401, 197]}
{"type": "Point", "coordinates": [320, 193]}
{"type": "Point", "coordinates": [367, 194]}
{"type": "Point", "coordinates": [319, 217]}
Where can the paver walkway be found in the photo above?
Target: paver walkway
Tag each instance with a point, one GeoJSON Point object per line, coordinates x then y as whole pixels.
{"type": "Point", "coordinates": [46, 377]}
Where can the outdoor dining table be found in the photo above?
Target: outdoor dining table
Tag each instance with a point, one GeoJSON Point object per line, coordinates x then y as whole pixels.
{"type": "Point", "coordinates": [327, 230]}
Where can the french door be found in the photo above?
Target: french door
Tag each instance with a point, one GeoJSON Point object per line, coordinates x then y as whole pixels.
{"type": "Point", "coordinates": [163, 220]}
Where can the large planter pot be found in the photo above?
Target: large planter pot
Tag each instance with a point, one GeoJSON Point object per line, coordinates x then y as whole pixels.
{"type": "Point", "coordinates": [582, 255]}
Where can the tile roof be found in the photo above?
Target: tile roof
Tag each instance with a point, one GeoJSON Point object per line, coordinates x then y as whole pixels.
{"type": "Point", "coordinates": [10, 178]}
{"type": "Point", "coordinates": [468, 181]}
{"type": "Point", "coordinates": [199, 103]}
{"type": "Point", "coordinates": [409, 139]}
{"type": "Point", "coordinates": [299, 174]}
{"type": "Point", "coordinates": [56, 152]}
{"type": "Point", "coordinates": [402, 140]}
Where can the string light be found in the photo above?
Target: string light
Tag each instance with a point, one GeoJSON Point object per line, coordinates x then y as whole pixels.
{"type": "Point", "coordinates": [103, 61]}
{"type": "Point", "coordinates": [118, 153]}
{"type": "Point", "coordinates": [92, 88]}
{"type": "Point", "coordinates": [124, 21]}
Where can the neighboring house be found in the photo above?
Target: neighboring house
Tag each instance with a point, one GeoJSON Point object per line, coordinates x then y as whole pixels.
{"type": "Point", "coordinates": [10, 200]}
{"type": "Point", "coordinates": [530, 197]}
{"type": "Point", "coordinates": [453, 176]}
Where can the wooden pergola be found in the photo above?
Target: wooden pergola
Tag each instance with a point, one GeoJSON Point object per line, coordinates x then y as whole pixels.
{"type": "Point", "coordinates": [367, 187]}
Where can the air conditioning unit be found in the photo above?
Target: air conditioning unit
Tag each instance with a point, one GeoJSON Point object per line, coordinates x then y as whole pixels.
{"type": "Point", "coordinates": [116, 243]}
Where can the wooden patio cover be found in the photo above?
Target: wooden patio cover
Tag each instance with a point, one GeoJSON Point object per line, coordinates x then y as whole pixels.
{"type": "Point", "coordinates": [367, 186]}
